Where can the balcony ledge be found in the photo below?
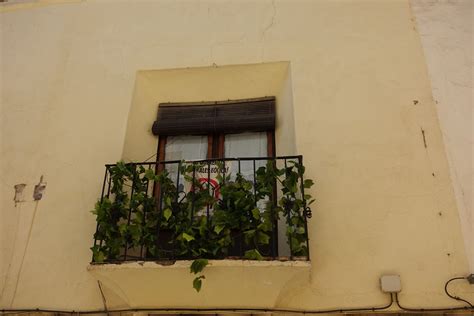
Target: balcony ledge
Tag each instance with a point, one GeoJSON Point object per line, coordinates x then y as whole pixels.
{"type": "Point", "coordinates": [179, 264]}
{"type": "Point", "coordinates": [228, 282]}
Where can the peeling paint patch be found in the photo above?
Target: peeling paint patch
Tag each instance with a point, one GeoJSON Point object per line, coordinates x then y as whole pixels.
{"type": "Point", "coordinates": [39, 190]}
{"type": "Point", "coordinates": [19, 193]}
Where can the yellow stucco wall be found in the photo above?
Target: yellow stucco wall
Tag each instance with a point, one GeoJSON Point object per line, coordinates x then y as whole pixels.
{"type": "Point", "coordinates": [214, 83]}
{"type": "Point", "coordinates": [447, 33]}
{"type": "Point", "coordinates": [385, 200]}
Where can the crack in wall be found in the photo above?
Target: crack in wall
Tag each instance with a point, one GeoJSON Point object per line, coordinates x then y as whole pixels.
{"type": "Point", "coordinates": [424, 137]}
{"type": "Point", "coordinates": [272, 21]}
{"type": "Point", "coordinates": [268, 27]}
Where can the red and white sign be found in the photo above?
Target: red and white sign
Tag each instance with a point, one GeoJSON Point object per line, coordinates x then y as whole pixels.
{"type": "Point", "coordinates": [207, 174]}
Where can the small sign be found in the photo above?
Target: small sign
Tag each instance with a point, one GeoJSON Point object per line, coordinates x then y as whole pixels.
{"type": "Point", "coordinates": [207, 173]}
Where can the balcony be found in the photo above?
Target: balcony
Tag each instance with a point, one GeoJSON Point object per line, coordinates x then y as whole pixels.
{"type": "Point", "coordinates": [233, 208]}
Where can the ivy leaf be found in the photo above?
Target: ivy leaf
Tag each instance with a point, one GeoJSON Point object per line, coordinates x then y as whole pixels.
{"type": "Point", "coordinates": [197, 283]}
{"type": "Point", "coordinates": [249, 233]}
{"type": "Point", "coordinates": [301, 168]}
{"type": "Point", "coordinates": [247, 185]}
{"type": "Point", "coordinates": [295, 244]}
{"type": "Point", "coordinates": [98, 255]}
{"type": "Point", "coordinates": [280, 172]}
{"type": "Point", "coordinates": [253, 255]}
{"type": "Point", "coordinates": [188, 237]}
{"type": "Point", "coordinates": [261, 171]}
{"type": "Point", "coordinates": [294, 220]}
{"type": "Point", "coordinates": [300, 230]}
{"type": "Point", "coordinates": [135, 232]}
{"type": "Point", "coordinates": [308, 183]}
{"type": "Point", "coordinates": [263, 238]}
{"type": "Point", "coordinates": [290, 229]}
{"type": "Point", "coordinates": [265, 226]}
{"type": "Point", "coordinates": [149, 174]}
{"type": "Point", "coordinates": [293, 188]}
{"type": "Point", "coordinates": [167, 213]}
{"type": "Point", "coordinates": [218, 228]}
{"type": "Point", "coordinates": [256, 213]}
{"type": "Point", "coordinates": [203, 226]}
{"type": "Point", "coordinates": [123, 229]}
{"type": "Point", "coordinates": [198, 265]}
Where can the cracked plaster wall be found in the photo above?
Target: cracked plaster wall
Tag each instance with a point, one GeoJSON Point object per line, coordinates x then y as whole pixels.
{"type": "Point", "coordinates": [446, 31]}
{"type": "Point", "coordinates": [385, 201]}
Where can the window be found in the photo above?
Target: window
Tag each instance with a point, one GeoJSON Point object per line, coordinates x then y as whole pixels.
{"type": "Point", "coordinates": [222, 129]}
{"type": "Point", "coordinates": [230, 127]}
{"type": "Point", "coordinates": [213, 130]}
{"type": "Point", "coordinates": [190, 147]}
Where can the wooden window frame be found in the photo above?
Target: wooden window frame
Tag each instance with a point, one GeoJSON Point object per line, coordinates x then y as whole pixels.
{"type": "Point", "coordinates": [216, 145]}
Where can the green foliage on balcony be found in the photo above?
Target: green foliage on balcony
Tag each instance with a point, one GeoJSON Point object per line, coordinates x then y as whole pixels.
{"type": "Point", "coordinates": [171, 224]}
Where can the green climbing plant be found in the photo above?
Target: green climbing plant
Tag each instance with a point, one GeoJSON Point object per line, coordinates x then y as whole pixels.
{"type": "Point", "coordinates": [171, 224]}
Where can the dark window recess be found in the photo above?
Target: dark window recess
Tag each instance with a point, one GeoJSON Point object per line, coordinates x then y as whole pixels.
{"type": "Point", "coordinates": [199, 118]}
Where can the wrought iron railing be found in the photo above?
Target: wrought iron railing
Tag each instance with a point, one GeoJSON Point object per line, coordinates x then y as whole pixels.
{"type": "Point", "coordinates": [252, 207]}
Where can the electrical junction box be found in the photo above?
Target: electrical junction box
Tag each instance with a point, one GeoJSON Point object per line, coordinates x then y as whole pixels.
{"type": "Point", "coordinates": [390, 283]}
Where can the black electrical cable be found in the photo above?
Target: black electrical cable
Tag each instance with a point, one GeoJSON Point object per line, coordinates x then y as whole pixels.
{"type": "Point", "coordinates": [272, 310]}
{"type": "Point", "coordinates": [454, 297]}
{"type": "Point", "coordinates": [465, 308]}
{"type": "Point", "coordinates": [439, 309]}
{"type": "Point", "coordinates": [188, 310]}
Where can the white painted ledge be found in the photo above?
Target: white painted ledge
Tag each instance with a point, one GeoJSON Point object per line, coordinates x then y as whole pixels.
{"type": "Point", "coordinates": [179, 264]}
{"type": "Point", "coordinates": [229, 282]}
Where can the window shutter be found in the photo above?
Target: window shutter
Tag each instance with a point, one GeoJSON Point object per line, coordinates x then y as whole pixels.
{"type": "Point", "coordinates": [233, 116]}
